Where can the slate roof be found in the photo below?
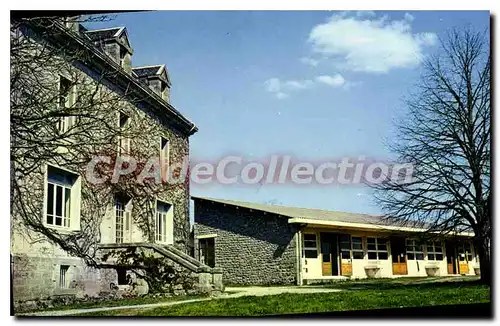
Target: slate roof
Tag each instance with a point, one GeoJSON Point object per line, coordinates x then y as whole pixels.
{"type": "Point", "coordinates": [100, 34]}
{"type": "Point", "coordinates": [305, 213]}
{"type": "Point", "coordinates": [146, 71]}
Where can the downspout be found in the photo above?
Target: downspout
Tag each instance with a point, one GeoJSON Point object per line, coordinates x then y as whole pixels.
{"type": "Point", "coordinates": [298, 237]}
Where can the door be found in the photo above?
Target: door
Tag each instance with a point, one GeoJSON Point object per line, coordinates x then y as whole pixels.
{"type": "Point", "coordinates": [398, 251]}
{"type": "Point", "coordinates": [207, 251]}
{"type": "Point", "coordinates": [464, 255]}
{"type": "Point", "coordinates": [451, 257]}
{"type": "Point", "coordinates": [329, 260]}
{"type": "Point", "coordinates": [326, 253]}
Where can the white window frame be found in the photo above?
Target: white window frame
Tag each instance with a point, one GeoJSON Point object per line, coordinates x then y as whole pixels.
{"type": "Point", "coordinates": [431, 250]}
{"type": "Point", "coordinates": [343, 249]}
{"type": "Point", "coordinates": [63, 276]}
{"type": "Point", "coordinates": [309, 242]}
{"type": "Point", "coordinates": [66, 123]}
{"type": "Point", "coordinates": [412, 243]}
{"type": "Point", "coordinates": [70, 220]}
{"type": "Point", "coordinates": [362, 250]}
{"type": "Point", "coordinates": [378, 241]}
{"type": "Point", "coordinates": [123, 220]}
{"type": "Point", "coordinates": [164, 224]}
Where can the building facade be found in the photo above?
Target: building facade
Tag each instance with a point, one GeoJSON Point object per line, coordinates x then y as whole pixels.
{"type": "Point", "coordinates": [62, 222]}
{"type": "Point", "coordinates": [268, 244]}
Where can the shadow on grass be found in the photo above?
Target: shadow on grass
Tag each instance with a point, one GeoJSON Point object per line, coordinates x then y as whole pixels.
{"type": "Point", "coordinates": [396, 284]}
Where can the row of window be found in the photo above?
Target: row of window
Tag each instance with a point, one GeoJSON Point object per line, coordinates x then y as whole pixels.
{"type": "Point", "coordinates": [351, 247]}
{"type": "Point", "coordinates": [62, 195]}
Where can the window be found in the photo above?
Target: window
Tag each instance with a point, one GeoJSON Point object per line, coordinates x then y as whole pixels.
{"type": "Point", "coordinates": [164, 157]}
{"type": "Point", "coordinates": [434, 250]}
{"type": "Point", "coordinates": [63, 279]}
{"type": "Point", "coordinates": [122, 276]}
{"type": "Point", "coordinates": [345, 246]}
{"type": "Point", "coordinates": [465, 251]}
{"type": "Point", "coordinates": [207, 251]}
{"type": "Point", "coordinates": [414, 250]}
{"type": "Point", "coordinates": [59, 184]}
{"type": "Point", "coordinates": [123, 221]}
{"type": "Point", "coordinates": [376, 248]}
{"type": "Point", "coordinates": [123, 53]}
{"type": "Point", "coordinates": [310, 246]}
{"type": "Point", "coordinates": [123, 140]}
{"type": "Point", "coordinates": [67, 99]}
{"type": "Point", "coordinates": [162, 224]}
{"type": "Point", "coordinates": [351, 247]}
{"type": "Point", "coordinates": [357, 248]}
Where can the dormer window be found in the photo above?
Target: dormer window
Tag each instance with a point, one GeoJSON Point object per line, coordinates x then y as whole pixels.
{"type": "Point", "coordinates": [123, 54]}
{"type": "Point", "coordinates": [156, 77]}
{"type": "Point", "coordinates": [114, 42]}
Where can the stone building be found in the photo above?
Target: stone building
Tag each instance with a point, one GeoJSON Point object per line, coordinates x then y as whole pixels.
{"type": "Point", "coordinates": [62, 224]}
{"type": "Point", "coordinates": [257, 244]}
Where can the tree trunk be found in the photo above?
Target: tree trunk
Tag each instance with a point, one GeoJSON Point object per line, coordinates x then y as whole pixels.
{"type": "Point", "coordinates": [484, 252]}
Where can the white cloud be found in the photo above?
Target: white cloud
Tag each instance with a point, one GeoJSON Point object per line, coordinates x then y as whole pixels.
{"type": "Point", "coordinates": [370, 43]}
{"type": "Point", "coordinates": [298, 84]}
{"type": "Point", "coordinates": [281, 95]}
{"type": "Point", "coordinates": [409, 17]}
{"type": "Point", "coordinates": [272, 85]}
{"type": "Point", "coordinates": [309, 61]}
{"type": "Point", "coordinates": [365, 13]}
{"type": "Point", "coordinates": [282, 89]}
{"type": "Point", "coordinates": [335, 81]}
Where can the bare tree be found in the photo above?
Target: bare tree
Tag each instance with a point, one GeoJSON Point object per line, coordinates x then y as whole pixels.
{"type": "Point", "coordinates": [446, 136]}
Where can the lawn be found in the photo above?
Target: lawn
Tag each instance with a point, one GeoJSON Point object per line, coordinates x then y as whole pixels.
{"type": "Point", "coordinates": [393, 296]}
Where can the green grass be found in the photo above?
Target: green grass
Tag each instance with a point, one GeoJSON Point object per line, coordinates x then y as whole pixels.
{"type": "Point", "coordinates": [402, 296]}
{"type": "Point", "coordinates": [391, 283]}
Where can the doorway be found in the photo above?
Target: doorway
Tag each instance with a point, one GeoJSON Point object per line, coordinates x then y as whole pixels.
{"type": "Point", "coordinates": [398, 252]}
{"type": "Point", "coordinates": [207, 251]}
{"type": "Point", "coordinates": [329, 253]}
{"type": "Point", "coordinates": [451, 257]}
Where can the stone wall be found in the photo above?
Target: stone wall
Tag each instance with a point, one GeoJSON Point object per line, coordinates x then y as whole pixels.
{"type": "Point", "coordinates": [36, 280]}
{"type": "Point", "coordinates": [251, 247]}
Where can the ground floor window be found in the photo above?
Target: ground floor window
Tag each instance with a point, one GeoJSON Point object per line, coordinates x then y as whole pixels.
{"type": "Point", "coordinates": [63, 276]}
{"type": "Point", "coordinates": [376, 248]}
{"type": "Point", "coordinates": [357, 248]}
{"type": "Point", "coordinates": [351, 247]}
{"type": "Point", "coordinates": [310, 245]}
{"type": "Point", "coordinates": [414, 250]}
{"type": "Point", "coordinates": [122, 276]}
{"type": "Point", "coordinates": [435, 250]}
{"type": "Point", "coordinates": [207, 251]}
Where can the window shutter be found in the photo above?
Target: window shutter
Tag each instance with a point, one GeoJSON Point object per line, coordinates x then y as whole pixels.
{"type": "Point", "coordinates": [127, 221]}
{"type": "Point", "coordinates": [170, 227]}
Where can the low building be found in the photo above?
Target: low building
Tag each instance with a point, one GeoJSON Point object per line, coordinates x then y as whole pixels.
{"type": "Point", "coordinates": [268, 244]}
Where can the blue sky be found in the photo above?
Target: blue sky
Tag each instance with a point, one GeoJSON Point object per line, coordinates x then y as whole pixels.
{"type": "Point", "coordinates": [317, 85]}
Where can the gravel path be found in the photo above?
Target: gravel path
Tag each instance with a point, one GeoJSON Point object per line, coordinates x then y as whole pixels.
{"type": "Point", "coordinates": [230, 292]}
